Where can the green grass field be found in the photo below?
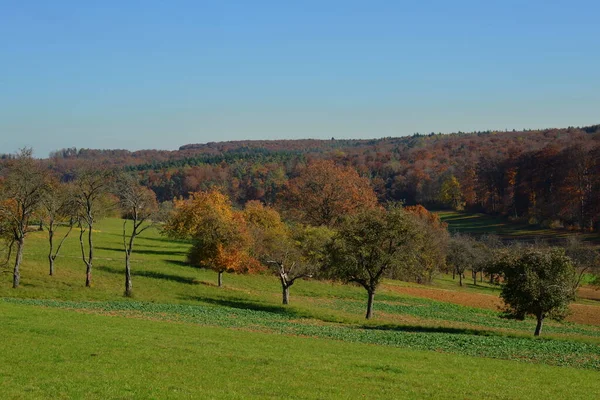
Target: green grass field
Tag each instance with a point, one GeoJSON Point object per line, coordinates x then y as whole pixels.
{"type": "Point", "coordinates": [180, 336]}
{"type": "Point", "coordinates": [479, 224]}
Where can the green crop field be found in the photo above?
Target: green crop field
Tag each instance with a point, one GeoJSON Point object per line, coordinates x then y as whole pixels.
{"type": "Point", "coordinates": [181, 336]}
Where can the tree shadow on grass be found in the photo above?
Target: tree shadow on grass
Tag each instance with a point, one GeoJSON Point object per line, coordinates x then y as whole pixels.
{"type": "Point", "coordinates": [153, 252]}
{"type": "Point", "coordinates": [431, 329]}
{"type": "Point", "coordinates": [246, 305]}
{"type": "Point", "coordinates": [157, 239]}
{"type": "Point", "coordinates": [177, 262]}
{"type": "Point", "coordinates": [154, 275]}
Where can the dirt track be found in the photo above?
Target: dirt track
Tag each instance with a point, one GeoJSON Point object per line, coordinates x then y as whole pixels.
{"type": "Point", "coordinates": [583, 314]}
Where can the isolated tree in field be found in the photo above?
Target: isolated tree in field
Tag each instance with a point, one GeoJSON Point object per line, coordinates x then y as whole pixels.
{"type": "Point", "coordinates": [221, 240]}
{"type": "Point", "coordinates": [91, 191]}
{"type": "Point", "coordinates": [291, 253]}
{"type": "Point", "coordinates": [140, 208]}
{"type": "Point", "coordinates": [432, 245]}
{"type": "Point", "coordinates": [538, 283]}
{"type": "Point", "coordinates": [58, 207]}
{"type": "Point", "coordinates": [324, 192]}
{"type": "Point", "coordinates": [369, 245]}
{"type": "Point", "coordinates": [23, 188]}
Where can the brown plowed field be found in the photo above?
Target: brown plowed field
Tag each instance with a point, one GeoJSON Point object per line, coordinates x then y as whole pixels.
{"type": "Point", "coordinates": [580, 313]}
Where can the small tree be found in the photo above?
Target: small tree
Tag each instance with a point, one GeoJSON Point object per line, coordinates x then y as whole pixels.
{"type": "Point", "coordinates": [139, 207]}
{"type": "Point", "coordinates": [291, 253]}
{"type": "Point", "coordinates": [91, 187]}
{"type": "Point", "coordinates": [538, 283]}
{"type": "Point", "coordinates": [369, 245]}
{"type": "Point", "coordinates": [431, 241]}
{"type": "Point", "coordinates": [220, 236]}
{"type": "Point", "coordinates": [58, 207]}
{"type": "Point", "coordinates": [586, 259]}
{"type": "Point", "coordinates": [22, 191]}
{"type": "Point", "coordinates": [462, 255]}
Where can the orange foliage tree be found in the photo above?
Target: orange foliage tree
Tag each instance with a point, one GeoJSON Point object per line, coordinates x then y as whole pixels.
{"type": "Point", "coordinates": [324, 192]}
{"type": "Point", "coordinates": [221, 240]}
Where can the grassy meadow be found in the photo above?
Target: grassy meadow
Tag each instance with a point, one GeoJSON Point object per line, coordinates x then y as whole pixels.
{"type": "Point", "coordinates": [181, 336]}
{"type": "Point", "coordinates": [480, 224]}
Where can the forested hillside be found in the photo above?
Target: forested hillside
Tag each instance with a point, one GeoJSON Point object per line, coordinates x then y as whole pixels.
{"type": "Point", "coordinates": [549, 177]}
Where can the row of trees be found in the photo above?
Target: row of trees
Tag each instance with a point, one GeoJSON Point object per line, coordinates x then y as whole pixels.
{"type": "Point", "coordinates": [31, 193]}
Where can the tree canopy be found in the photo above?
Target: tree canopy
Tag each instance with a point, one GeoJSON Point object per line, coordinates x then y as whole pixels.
{"type": "Point", "coordinates": [538, 283]}
{"type": "Point", "coordinates": [370, 244]}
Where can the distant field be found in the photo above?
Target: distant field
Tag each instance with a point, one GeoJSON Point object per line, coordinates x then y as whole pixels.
{"type": "Point", "coordinates": [479, 224]}
{"type": "Point", "coordinates": [183, 337]}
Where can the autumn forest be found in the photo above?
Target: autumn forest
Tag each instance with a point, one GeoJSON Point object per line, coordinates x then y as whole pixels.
{"type": "Point", "coordinates": [548, 177]}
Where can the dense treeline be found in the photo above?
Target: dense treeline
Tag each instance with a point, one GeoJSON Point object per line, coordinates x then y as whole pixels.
{"type": "Point", "coordinates": [549, 177]}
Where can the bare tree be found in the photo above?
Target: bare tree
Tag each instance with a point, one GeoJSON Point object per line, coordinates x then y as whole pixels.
{"type": "Point", "coordinates": [23, 189]}
{"type": "Point", "coordinates": [139, 206]}
{"type": "Point", "coordinates": [90, 194]}
{"type": "Point", "coordinates": [585, 258]}
{"type": "Point", "coordinates": [462, 255]}
{"type": "Point", "coordinates": [58, 207]}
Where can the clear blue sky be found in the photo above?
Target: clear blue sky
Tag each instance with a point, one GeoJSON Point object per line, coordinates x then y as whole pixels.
{"type": "Point", "coordinates": [159, 74]}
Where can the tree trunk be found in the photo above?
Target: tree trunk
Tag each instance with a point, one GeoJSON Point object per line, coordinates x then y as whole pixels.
{"type": "Point", "coordinates": [88, 275]}
{"type": "Point", "coordinates": [475, 278]}
{"type": "Point", "coordinates": [220, 279]}
{"type": "Point", "coordinates": [453, 274]}
{"type": "Point", "coordinates": [128, 285]}
{"type": "Point", "coordinates": [538, 328]}
{"type": "Point", "coordinates": [460, 276]}
{"type": "Point", "coordinates": [18, 259]}
{"type": "Point", "coordinates": [370, 304]}
{"type": "Point", "coordinates": [51, 241]}
{"type": "Point", "coordinates": [286, 294]}
{"type": "Point", "coordinates": [88, 270]}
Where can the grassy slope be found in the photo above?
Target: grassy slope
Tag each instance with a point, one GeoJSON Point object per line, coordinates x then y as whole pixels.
{"type": "Point", "coordinates": [79, 355]}
{"type": "Point", "coordinates": [478, 224]}
{"type": "Point", "coordinates": [319, 310]}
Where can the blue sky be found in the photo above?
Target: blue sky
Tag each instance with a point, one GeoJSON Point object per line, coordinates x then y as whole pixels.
{"type": "Point", "coordinates": [160, 74]}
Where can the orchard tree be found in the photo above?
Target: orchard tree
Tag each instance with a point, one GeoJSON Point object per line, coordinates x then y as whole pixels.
{"type": "Point", "coordinates": [58, 208]}
{"type": "Point", "coordinates": [91, 194]}
{"type": "Point", "coordinates": [291, 253]}
{"type": "Point", "coordinates": [140, 209]}
{"type": "Point", "coordinates": [369, 245]}
{"type": "Point", "coordinates": [432, 241]}
{"type": "Point", "coordinates": [463, 254]}
{"type": "Point", "coordinates": [586, 259]}
{"type": "Point", "coordinates": [23, 189]}
{"type": "Point", "coordinates": [324, 192]}
{"type": "Point", "coordinates": [538, 283]}
{"type": "Point", "coordinates": [221, 240]}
